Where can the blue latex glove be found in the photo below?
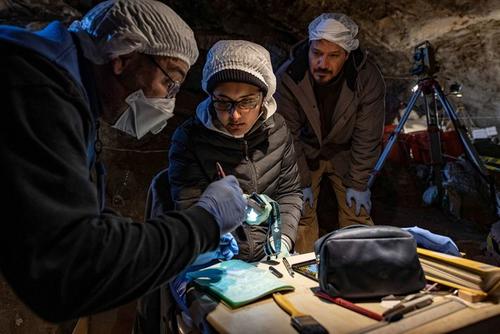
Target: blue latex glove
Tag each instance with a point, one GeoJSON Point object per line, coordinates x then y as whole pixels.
{"type": "Point", "coordinates": [228, 248]}
{"type": "Point", "coordinates": [307, 196]}
{"type": "Point", "coordinates": [361, 198]}
{"type": "Point", "coordinates": [224, 200]}
{"type": "Point", "coordinates": [427, 239]}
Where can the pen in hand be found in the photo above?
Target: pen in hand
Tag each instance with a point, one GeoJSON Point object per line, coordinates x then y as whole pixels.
{"type": "Point", "coordinates": [220, 171]}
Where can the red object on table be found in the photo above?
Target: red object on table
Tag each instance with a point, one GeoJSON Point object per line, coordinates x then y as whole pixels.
{"type": "Point", "coordinates": [347, 304]}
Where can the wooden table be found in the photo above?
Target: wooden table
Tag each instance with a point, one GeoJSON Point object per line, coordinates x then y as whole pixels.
{"type": "Point", "coordinates": [266, 317]}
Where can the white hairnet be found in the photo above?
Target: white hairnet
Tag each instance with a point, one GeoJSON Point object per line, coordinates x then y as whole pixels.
{"type": "Point", "coordinates": [117, 27]}
{"type": "Point", "coordinates": [241, 61]}
{"type": "Point", "coordinates": [336, 28]}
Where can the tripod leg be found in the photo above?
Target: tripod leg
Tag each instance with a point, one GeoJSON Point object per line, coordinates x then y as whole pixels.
{"type": "Point", "coordinates": [435, 143]}
{"type": "Point", "coordinates": [462, 134]}
{"type": "Point", "coordinates": [433, 130]}
{"type": "Point", "coordinates": [468, 147]}
{"type": "Point", "coordinates": [392, 138]}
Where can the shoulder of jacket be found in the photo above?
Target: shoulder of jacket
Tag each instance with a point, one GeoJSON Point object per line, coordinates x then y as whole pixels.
{"type": "Point", "coordinates": [279, 127]}
{"type": "Point", "coordinates": [36, 69]}
{"type": "Point", "coordinates": [374, 67]}
{"type": "Point", "coordinates": [184, 131]}
{"type": "Point", "coordinates": [296, 65]}
{"type": "Point", "coordinates": [360, 68]}
{"type": "Point", "coordinates": [371, 73]}
{"type": "Point", "coordinates": [278, 120]}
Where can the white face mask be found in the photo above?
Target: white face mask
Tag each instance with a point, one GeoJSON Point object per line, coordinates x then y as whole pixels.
{"type": "Point", "coordinates": [145, 114]}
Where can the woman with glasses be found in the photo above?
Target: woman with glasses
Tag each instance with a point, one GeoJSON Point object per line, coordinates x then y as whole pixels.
{"type": "Point", "coordinates": [237, 128]}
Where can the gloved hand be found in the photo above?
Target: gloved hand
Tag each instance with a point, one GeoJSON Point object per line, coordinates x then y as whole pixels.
{"type": "Point", "coordinates": [228, 248]}
{"type": "Point", "coordinates": [307, 195]}
{"type": "Point", "coordinates": [362, 198]}
{"type": "Point", "coordinates": [224, 200]}
{"type": "Point", "coordinates": [285, 247]}
{"type": "Point", "coordinates": [285, 250]}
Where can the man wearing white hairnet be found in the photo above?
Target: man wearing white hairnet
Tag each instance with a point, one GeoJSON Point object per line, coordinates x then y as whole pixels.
{"type": "Point", "coordinates": [332, 96]}
{"type": "Point", "coordinates": [123, 64]}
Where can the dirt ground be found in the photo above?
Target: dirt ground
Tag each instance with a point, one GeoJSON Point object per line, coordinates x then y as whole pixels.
{"type": "Point", "coordinates": [396, 201]}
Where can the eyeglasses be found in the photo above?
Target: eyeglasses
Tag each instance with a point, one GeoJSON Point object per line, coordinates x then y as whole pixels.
{"type": "Point", "coordinates": [173, 86]}
{"type": "Point", "coordinates": [243, 106]}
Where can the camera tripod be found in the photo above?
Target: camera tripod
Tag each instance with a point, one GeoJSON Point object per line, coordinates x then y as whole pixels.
{"type": "Point", "coordinates": [425, 87]}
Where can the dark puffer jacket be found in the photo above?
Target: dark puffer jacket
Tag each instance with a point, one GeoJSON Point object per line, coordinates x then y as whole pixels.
{"type": "Point", "coordinates": [62, 256]}
{"type": "Point", "coordinates": [263, 161]}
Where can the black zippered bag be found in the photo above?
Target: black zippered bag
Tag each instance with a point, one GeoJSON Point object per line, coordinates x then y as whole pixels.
{"type": "Point", "coordinates": [362, 261]}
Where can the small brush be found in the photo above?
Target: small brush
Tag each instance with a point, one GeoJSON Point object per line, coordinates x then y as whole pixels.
{"type": "Point", "coordinates": [303, 323]}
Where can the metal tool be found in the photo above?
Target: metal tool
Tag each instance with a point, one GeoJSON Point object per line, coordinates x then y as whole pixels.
{"type": "Point", "coordinates": [407, 305]}
{"type": "Point", "coordinates": [288, 266]}
{"type": "Point", "coordinates": [275, 272]}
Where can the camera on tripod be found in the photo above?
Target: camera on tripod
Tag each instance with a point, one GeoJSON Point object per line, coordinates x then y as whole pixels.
{"type": "Point", "coordinates": [424, 61]}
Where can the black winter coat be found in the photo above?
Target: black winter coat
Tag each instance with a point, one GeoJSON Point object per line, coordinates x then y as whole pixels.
{"type": "Point", "coordinates": [61, 255]}
{"type": "Point", "coordinates": [263, 162]}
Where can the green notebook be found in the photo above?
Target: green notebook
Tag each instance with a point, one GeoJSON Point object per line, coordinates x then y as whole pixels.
{"type": "Point", "coordinates": [238, 283]}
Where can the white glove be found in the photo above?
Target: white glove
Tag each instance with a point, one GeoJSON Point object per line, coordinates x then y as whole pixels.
{"type": "Point", "coordinates": [285, 247]}
{"type": "Point", "coordinates": [361, 198]}
{"type": "Point", "coordinates": [307, 195]}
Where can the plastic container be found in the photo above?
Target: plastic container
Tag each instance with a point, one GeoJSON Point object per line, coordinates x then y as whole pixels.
{"type": "Point", "coordinates": [451, 144]}
{"type": "Point", "coordinates": [420, 146]}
